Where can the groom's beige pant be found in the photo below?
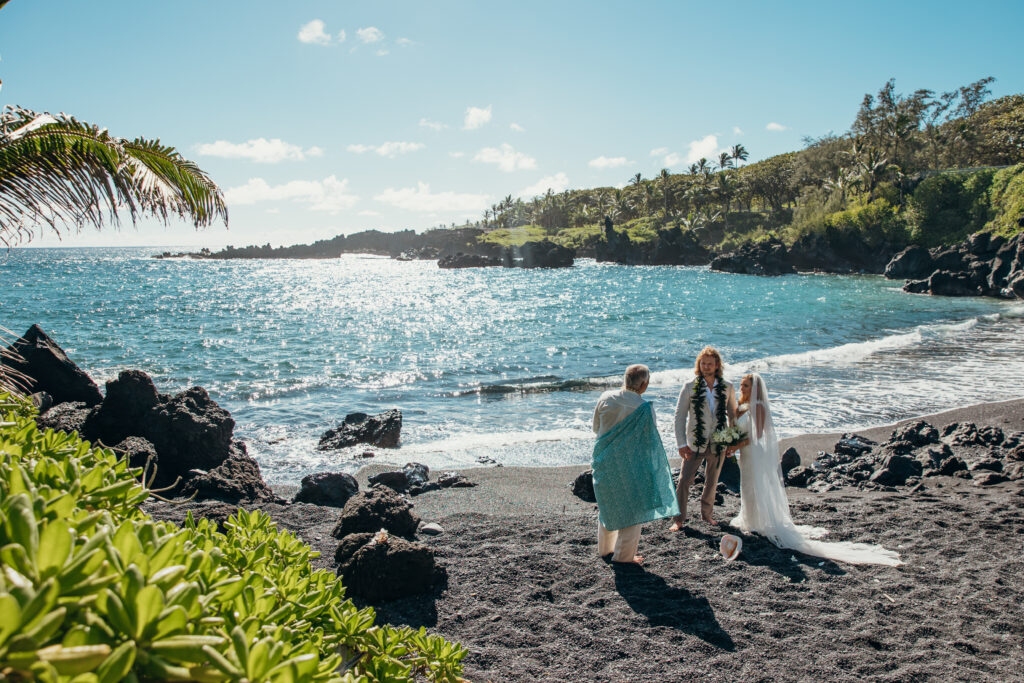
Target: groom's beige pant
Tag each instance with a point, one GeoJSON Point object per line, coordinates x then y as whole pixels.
{"type": "Point", "coordinates": [623, 542]}
{"type": "Point", "coordinates": [711, 472]}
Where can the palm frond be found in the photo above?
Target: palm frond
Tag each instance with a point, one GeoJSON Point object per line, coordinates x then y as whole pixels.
{"type": "Point", "coordinates": [58, 171]}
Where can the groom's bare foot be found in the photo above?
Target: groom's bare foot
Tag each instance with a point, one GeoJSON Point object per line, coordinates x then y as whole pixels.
{"type": "Point", "coordinates": [677, 526]}
{"type": "Point", "coordinates": [637, 559]}
{"type": "Point", "coordinates": [710, 520]}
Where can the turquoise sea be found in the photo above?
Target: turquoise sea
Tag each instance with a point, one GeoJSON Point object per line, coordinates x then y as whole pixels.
{"type": "Point", "coordinates": [495, 363]}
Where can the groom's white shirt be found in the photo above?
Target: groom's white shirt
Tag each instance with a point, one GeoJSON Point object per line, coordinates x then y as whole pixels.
{"type": "Point", "coordinates": [615, 406]}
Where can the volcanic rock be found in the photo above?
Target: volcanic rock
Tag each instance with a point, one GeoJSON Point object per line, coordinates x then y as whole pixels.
{"type": "Point", "coordinates": [383, 430]}
{"type": "Point", "coordinates": [461, 260]}
{"type": "Point", "coordinates": [453, 480]}
{"type": "Point", "coordinates": [374, 509]}
{"type": "Point", "coordinates": [236, 479]}
{"type": "Point", "coordinates": [583, 486]}
{"type": "Point", "coordinates": [854, 445]}
{"type": "Point", "coordinates": [790, 460]}
{"type": "Point", "coordinates": [799, 476]}
{"type": "Point", "coordinates": [333, 489]}
{"type": "Point", "coordinates": [67, 417]}
{"type": "Point", "coordinates": [918, 433]}
{"type": "Point", "coordinates": [139, 451]}
{"type": "Point", "coordinates": [125, 408]}
{"type": "Point", "coordinates": [47, 368]}
{"type": "Point", "coordinates": [895, 471]}
{"type": "Point", "coordinates": [913, 263]}
{"type": "Point", "coordinates": [381, 569]}
{"type": "Point", "coordinates": [396, 480]}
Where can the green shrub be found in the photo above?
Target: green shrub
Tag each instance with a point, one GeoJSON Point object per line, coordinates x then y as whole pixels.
{"type": "Point", "coordinates": [580, 237]}
{"type": "Point", "coordinates": [1006, 201]}
{"type": "Point", "coordinates": [93, 590]}
{"type": "Point", "coordinates": [514, 237]}
{"type": "Point", "coordinates": [876, 223]}
{"type": "Point", "coordinates": [948, 207]}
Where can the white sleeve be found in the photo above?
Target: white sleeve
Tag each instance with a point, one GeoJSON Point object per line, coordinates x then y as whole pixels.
{"type": "Point", "coordinates": [682, 412]}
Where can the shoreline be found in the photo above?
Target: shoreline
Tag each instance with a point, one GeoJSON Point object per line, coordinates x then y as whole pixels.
{"type": "Point", "coordinates": [534, 486]}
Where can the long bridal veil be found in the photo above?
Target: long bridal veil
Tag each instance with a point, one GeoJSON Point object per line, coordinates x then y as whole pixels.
{"type": "Point", "coordinates": [764, 508]}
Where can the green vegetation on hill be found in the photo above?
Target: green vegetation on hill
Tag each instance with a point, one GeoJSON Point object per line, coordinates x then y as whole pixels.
{"type": "Point", "coordinates": [928, 168]}
{"type": "Point", "coordinates": [93, 590]}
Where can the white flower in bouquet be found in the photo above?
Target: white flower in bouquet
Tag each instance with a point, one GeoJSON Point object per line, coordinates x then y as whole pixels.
{"type": "Point", "coordinates": [728, 437]}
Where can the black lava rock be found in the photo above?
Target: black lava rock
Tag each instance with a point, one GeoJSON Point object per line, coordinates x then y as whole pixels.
{"type": "Point", "coordinates": [47, 368]}
{"type": "Point", "coordinates": [374, 509]}
{"type": "Point", "coordinates": [583, 486]}
{"type": "Point", "coordinates": [333, 489]}
{"type": "Point", "coordinates": [383, 430]}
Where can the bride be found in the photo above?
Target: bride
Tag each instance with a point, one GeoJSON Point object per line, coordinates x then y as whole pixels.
{"type": "Point", "coordinates": [763, 505]}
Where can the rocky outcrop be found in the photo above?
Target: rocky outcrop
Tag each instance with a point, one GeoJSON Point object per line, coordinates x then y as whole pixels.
{"type": "Point", "coordinates": [769, 257]}
{"type": "Point", "coordinates": [47, 368]}
{"type": "Point", "coordinates": [374, 509]}
{"type": "Point", "coordinates": [461, 260]}
{"type": "Point", "coordinates": [914, 451]}
{"type": "Point", "coordinates": [912, 263]}
{"type": "Point", "coordinates": [236, 479]}
{"type": "Point", "coordinates": [379, 567]}
{"type": "Point", "coordinates": [543, 254]}
{"type": "Point", "coordinates": [383, 430]}
{"type": "Point", "coordinates": [186, 436]}
{"type": "Point", "coordinates": [673, 247]}
{"type": "Point", "coordinates": [333, 489]}
{"type": "Point", "coordinates": [982, 265]}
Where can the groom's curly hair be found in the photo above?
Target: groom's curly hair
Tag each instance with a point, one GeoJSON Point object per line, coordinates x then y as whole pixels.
{"type": "Point", "coordinates": [709, 351]}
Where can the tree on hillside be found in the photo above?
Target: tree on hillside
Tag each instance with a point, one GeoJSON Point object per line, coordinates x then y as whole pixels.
{"type": "Point", "coordinates": [724, 161]}
{"type": "Point", "coordinates": [64, 173]}
{"type": "Point", "coordinates": [738, 153]}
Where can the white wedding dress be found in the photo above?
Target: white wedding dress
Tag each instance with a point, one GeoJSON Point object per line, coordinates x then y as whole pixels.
{"type": "Point", "coordinates": [764, 508]}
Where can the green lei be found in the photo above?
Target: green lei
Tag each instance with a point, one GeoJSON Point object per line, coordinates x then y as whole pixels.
{"type": "Point", "coordinates": [698, 410]}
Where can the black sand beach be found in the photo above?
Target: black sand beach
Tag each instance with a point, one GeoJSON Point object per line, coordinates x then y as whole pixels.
{"type": "Point", "coordinates": [527, 595]}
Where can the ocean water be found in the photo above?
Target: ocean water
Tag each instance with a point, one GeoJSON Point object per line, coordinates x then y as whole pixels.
{"type": "Point", "coordinates": [500, 364]}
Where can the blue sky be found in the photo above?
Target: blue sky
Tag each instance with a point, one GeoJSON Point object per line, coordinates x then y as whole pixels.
{"type": "Point", "coordinates": [320, 118]}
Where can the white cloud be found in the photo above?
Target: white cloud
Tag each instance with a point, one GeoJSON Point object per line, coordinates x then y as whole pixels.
{"type": "Point", "coordinates": [736, 130]}
{"type": "Point", "coordinates": [368, 212]}
{"type": "Point", "coordinates": [330, 194]}
{"type": "Point", "coordinates": [476, 117]}
{"type": "Point", "coordinates": [404, 42]}
{"type": "Point", "coordinates": [607, 162]}
{"type": "Point", "coordinates": [260, 150]}
{"type": "Point", "coordinates": [388, 149]}
{"type": "Point", "coordinates": [456, 155]}
{"type": "Point", "coordinates": [555, 183]}
{"type": "Point", "coordinates": [506, 158]}
{"type": "Point", "coordinates": [370, 34]}
{"type": "Point", "coordinates": [432, 125]}
{"type": "Point", "coordinates": [706, 147]}
{"type": "Point", "coordinates": [776, 127]}
{"type": "Point", "coordinates": [517, 128]}
{"type": "Point", "coordinates": [421, 199]}
{"type": "Point", "coordinates": [313, 33]}
{"type": "Point", "coordinates": [671, 159]}
{"type": "Point", "coordinates": [660, 151]}
{"type": "Point", "coordinates": [341, 36]}
{"type": "Point", "coordinates": [381, 53]}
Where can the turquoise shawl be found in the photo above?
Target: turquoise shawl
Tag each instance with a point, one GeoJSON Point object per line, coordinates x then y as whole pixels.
{"type": "Point", "coordinates": [632, 479]}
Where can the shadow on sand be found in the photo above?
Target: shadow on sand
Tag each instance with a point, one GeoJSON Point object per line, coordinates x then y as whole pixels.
{"type": "Point", "coordinates": [666, 605]}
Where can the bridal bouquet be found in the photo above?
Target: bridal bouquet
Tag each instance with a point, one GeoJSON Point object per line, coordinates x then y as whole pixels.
{"type": "Point", "coordinates": [727, 437]}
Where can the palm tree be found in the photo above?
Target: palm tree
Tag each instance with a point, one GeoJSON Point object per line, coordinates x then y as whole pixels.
{"type": "Point", "coordinates": [66, 173]}
{"type": "Point", "coordinates": [666, 189]}
{"type": "Point", "coordinates": [724, 161]}
{"type": "Point", "coordinates": [703, 167]}
{"type": "Point", "coordinates": [739, 153]}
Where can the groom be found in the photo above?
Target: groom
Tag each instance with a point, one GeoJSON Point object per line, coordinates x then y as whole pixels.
{"type": "Point", "coordinates": [705, 405]}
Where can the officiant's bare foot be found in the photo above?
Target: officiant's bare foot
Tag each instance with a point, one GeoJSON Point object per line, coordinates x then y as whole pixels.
{"type": "Point", "coordinates": [637, 559]}
{"type": "Point", "coordinates": [677, 526]}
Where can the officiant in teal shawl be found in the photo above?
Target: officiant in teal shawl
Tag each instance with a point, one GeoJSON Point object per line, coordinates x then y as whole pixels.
{"type": "Point", "coordinates": [632, 479]}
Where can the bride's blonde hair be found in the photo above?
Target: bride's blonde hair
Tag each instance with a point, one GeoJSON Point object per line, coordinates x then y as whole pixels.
{"type": "Point", "coordinates": [744, 398]}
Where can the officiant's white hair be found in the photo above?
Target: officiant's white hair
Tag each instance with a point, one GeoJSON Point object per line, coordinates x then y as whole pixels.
{"type": "Point", "coordinates": [636, 376]}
